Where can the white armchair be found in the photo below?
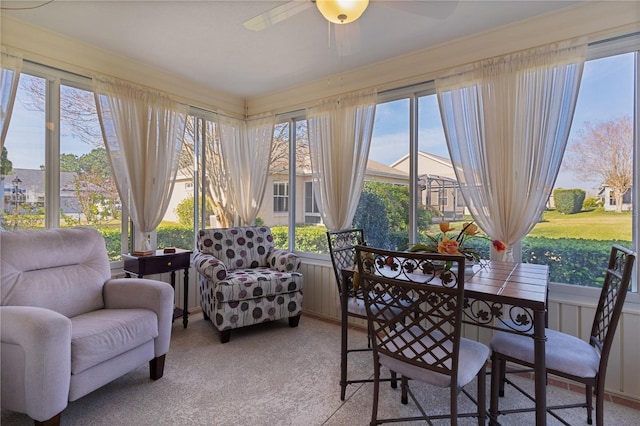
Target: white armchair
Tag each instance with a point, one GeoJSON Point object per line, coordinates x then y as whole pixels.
{"type": "Point", "coordinates": [67, 328]}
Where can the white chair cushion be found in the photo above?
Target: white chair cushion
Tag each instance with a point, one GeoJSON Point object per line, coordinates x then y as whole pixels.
{"type": "Point", "coordinates": [473, 355]}
{"type": "Point", "coordinates": [564, 352]}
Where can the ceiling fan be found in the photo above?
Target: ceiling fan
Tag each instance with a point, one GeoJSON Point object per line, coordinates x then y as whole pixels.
{"type": "Point", "coordinates": [346, 11]}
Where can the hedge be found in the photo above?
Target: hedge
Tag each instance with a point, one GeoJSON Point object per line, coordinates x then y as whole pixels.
{"type": "Point", "coordinates": [572, 261]}
{"type": "Point", "coordinates": [568, 201]}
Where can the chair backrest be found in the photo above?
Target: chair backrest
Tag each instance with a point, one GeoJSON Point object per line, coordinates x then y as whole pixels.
{"type": "Point", "coordinates": [612, 296]}
{"type": "Point", "coordinates": [59, 269]}
{"type": "Point", "coordinates": [238, 247]}
{"type": "Point", "coordinates": [414, 305]}
{"type": "Point", "coordinates": [342, 247]}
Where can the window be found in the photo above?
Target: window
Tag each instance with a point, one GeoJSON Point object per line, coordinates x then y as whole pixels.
{"type": "Point", "coordinates": [576, 245]}
{"type": "Point", "coordinates": [55, 169]}
{"type": "Point", "coordinates": [280, 197]}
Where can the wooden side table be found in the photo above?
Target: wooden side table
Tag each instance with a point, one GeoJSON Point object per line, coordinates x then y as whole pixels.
{"type": "Point", "coordinates": [160, 263]}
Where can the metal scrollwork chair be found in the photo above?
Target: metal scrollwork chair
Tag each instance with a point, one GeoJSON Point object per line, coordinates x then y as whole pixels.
{"type": "Point", "coordinates": [415, 305]}
{"type": "Point", "coordinates": [342, 249]}
{"type": "Point", "coordinates": [568, 356]}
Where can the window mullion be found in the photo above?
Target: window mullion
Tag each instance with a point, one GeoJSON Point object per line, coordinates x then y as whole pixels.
{"type": "Point", "coordinates": [52, 153]}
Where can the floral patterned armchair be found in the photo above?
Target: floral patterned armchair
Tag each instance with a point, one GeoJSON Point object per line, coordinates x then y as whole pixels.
{"type": "Point", "coordinates": [245, 280]}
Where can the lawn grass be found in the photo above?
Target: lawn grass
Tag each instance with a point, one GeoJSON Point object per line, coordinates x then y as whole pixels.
{"type": "Point", "coordinates": [594, 224]}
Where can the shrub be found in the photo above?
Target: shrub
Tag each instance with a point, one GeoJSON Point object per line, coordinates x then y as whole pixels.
{"type": "Point", "coordinates": [175, 236]}
{"type": "Point", "coordinates": [309, 238]}
{"type": "Point", "coordinates": [591, 203]}
{"type": "Point", "coordinates": [371, 216]}
{"type": "Point", "coordinates": [571, 261]}
{"type": "Point", "coordinates": [569, 201]}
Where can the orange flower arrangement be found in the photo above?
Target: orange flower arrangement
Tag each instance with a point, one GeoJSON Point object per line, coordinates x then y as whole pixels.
{"type": "Point", "coordinates": [447, 243]}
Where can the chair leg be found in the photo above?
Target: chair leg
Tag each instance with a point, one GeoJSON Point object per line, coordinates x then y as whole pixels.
{"type": "Point", "coordinates": [343, 350]}
{"type": "Point", "coordinates": [404, 382]}
{"type": "Point", "coordinates": [453, 403]}
{"type": "Point", "coordinates": [589, 395]}
{"type": "Point", "coordinates": [394, 380]}
{"type": "Point", "coordinates": [156, 367]}
{"type": "Point", "coordinates": [225, 336]}
{"type": "Point", "coordinates": [502, 369]}
{"type": "Point", "coordinates": [482, 396]}
{"type": "Point", "coordinates": [293, 321]}
{"type": "Point", "coordinates": [376, 389]}
{"type": "Point", "coordinates": [205, 316]}
{"type": "Point", "coordinates": [53, 421]}
{"type": "Point", "coordinates": [496, 383]}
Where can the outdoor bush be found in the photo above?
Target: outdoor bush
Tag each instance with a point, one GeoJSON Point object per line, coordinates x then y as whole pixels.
{"type": "Point", "coordinates": [591, 203]}
{"type": "Point", "coordinates": [371, 216]}
{"type": "Point", "coordinates": [112, 240]}
{"type": "Point", "coordinates": [572, 261]}
{"type": "Point", "coordinates": [568, 201]}
{"type": "Point", "coordinates": [175, 236]}
{"type": "Point", "coordinates": [309, 238]}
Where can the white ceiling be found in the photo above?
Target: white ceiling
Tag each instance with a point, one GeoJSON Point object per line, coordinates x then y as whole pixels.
{"type": "Point", "coordinates": [205, 41]}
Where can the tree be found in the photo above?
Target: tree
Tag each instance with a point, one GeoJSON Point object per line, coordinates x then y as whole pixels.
{"type": "Point", "coordinates": [371, 216]}
{"type": "Point", "coordinates": [604, 150]}
{"type": "Point", "coordinates": [6, 166]}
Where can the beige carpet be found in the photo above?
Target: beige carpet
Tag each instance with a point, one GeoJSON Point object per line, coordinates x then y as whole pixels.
{"type": "Point", "coordinates": [269, 374]}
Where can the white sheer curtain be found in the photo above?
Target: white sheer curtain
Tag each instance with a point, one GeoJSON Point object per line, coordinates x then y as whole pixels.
{"type": "Point", "coordinates": [11, 65]}
{"type": "Point", "coordinates": [339, 139]}
{"type": "Point", "coordinates": [246, 149]}
{"type": "Point", "coordinates": [506, 122]}
{"type": "Point", "coordinates": [143, 132]}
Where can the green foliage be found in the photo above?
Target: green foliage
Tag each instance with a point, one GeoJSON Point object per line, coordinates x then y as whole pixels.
{"type": "Point", "coordinates": [184, 211]}
{"type": "Point", "coordinates": [571, 261]}
{"type": "Point", "coordinates": [569, 201]}
{"type": "Point", "coordinates": [6, 166]}
{"type": "Point", "coordinates": [395, 199]}
{"type": "Point", "coordinates": [259, 221]}
{"type": "Point", "coordinates": [591, 203]}
{"type": "Point", "coordinates": [309, 238]}
{"type": "Point", "coordinates": [175, 236]}
{"type": "Point", "coordinates": [371, 216]}
{"type": "Point", "coordinates": [112, 240]}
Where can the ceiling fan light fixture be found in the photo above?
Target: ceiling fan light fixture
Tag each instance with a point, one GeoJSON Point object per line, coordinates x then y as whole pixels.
{"type": "Point", "coordinates": [341, 11]}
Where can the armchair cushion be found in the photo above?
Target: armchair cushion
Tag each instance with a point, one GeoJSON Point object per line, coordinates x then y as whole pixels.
{"type": "Point", "coordinates": [283, 260]}
{"type": "Point", "coordinates": [101, 335]}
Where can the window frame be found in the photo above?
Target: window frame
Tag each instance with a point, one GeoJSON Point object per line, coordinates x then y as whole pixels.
{"type": "Point", "coordinates": [55, 78]}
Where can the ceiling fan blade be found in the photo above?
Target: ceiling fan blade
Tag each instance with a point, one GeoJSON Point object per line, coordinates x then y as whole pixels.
{"type": "Point", "coordinates": [277, 14]}
{"type": "Point", "coordinates": [438, 9]}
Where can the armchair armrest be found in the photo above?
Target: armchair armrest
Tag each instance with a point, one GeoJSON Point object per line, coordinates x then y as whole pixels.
{"type": "Point", "coordinates": [36, 360]}
{"type": "Point", "coordinates": [128, 293]}
{"type": "Point", "coordinates": [283, 260]}
{"type": "Point", "coordinates": [210, 266]}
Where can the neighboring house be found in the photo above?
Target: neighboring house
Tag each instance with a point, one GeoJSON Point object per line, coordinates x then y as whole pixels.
{"type": "Point", "coordinates": [609, 201]}
{"type": "Point", "coordinates": [438, 185]}
{"type": "Point", "coordinates": [30, 185]}
{"type": "Point", "coordinates": [275, 204]}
